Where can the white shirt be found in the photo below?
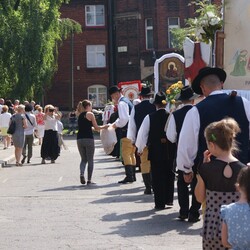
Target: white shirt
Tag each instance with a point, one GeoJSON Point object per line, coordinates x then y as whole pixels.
{"type": "Point", "coordinates": [188, 140]}
{"type": "Point", "coordinates": [131, 134]}
{"type": "Point", "coordinates": [5, 120]}
{"type": "Point", "coordinates": [171, 128]}
{"type": "Point", "coordinates": [142, 136]}
{"type": "Point", "coordinates": [60, 127]}
{"type": "Point", "coordinates": [30, 128]}
{"type": "Point", "coordinates": [123, 113]}
{"type": "Point", "coordinates": [51, 123]}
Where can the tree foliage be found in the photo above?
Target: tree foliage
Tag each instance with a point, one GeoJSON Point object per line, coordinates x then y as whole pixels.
{"type": "Point", "coordinates": [30, 32]}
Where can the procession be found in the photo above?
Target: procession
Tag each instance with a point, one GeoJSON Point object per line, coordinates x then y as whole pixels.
{"type": "Point", "coordinates": [124, 125]}
{"type": "Point", "coordinates": [168, 147]}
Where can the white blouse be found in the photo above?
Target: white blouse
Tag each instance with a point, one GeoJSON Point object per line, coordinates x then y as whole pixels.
{"type": "Point", "coordinates": [5, 120]}
{"type": "Point", "coordinates": [51, 123]}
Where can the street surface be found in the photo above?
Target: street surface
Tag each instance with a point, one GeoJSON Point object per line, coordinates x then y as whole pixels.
{"type": "Point", "coordinates": [46, 207]}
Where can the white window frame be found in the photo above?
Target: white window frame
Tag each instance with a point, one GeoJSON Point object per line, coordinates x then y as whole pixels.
{"type": "Point", "coordinates": [148, 28]}
{"type": "Point", "coordinates": [91, 10]}
{"type": "Point", "coordinates": [171, 26]}
{"type": "Point", "coordinates": [96, 56]}
{"type": "Point", "coordinates": [96, 102]}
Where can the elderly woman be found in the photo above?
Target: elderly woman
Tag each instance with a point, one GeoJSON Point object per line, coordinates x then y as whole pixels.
{"type": "Point", "coordinates": [4, 124]}
{"type": "Point", "coordinates": [50, 148]}
{"type": "Point", "coordinates": [18, 136]}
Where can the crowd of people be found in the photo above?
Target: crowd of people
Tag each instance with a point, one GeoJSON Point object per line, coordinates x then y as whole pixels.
{"type": "Point", "coordinates": [204, 144]}
{"type": "Point", "coordinates": [30, 121]}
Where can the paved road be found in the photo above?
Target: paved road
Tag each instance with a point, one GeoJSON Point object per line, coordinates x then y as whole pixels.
{"type": "Point", "coordinates": [45, 207]}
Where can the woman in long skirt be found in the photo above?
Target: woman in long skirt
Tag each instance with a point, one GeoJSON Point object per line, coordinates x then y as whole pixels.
{"type": "Point", "coordinates": [50, 148]}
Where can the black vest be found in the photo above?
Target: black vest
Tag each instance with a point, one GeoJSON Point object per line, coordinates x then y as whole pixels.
{"type": "Point", "coordinates": [141, 110]}
{"type": "Point", "coordinates": [179, 116]}
{"type": "Point", "coordinates": [157, 151]}
{"type": "Point", "coordinates": [216, 107]}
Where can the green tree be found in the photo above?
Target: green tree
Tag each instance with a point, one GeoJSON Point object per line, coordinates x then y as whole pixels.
{"type": "Point", "coordinates": [30, 32]}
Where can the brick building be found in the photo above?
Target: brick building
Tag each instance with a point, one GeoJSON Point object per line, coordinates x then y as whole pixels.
{"type": "Point", "coordinates": [121, 40]}
{"type": "Point", "coordinates": [83, 66]}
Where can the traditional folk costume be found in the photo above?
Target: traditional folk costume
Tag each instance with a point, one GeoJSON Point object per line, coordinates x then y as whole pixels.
{"type": "Point", "coordinates": [152, 135]}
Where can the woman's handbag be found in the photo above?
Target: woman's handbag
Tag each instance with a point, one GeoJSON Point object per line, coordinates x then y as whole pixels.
{"type": "Point", "coordinates": [12, 127]}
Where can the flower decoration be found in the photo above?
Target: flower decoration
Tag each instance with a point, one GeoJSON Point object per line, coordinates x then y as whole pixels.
{"type": "Point", "coordinates": [173, 91]}
{"type": "Point", "coordinates": [202, 28]}
{"type": "Point", "coordinates": [209, 20]}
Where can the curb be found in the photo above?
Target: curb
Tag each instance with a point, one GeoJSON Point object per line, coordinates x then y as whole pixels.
{"type": "Point", "coordinates": [7, 160]}
{"type": "Point", "coordinates": [11, 158]}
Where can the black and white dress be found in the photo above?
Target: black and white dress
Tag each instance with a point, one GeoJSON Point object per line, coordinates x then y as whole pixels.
{"type": "Point", "coordinates": [220, 190]}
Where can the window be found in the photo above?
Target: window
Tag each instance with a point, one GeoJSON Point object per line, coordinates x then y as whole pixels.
{"type": "Point", "coordinates": [97, 94]}
{"type": "Point", "coordinates": [96, 56]}
{"type": "Point", "coordinates": [149, 33]}
{"type": "Point", "coordinates": [173, 22]}
{"type": "Point", "coordinates": [94, 15]}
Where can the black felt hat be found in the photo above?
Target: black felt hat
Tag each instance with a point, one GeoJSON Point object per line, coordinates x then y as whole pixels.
{"type": "Point", "coordinates": [113, 89]}
{"type": "Point", "coordinates": [186, 94]}
{"type": "Point", "coordinates": [145, 91]}
{"type": "Point", "coordinates": [159, 97]}
{"type": "Point", "coordinates": [205, 72]}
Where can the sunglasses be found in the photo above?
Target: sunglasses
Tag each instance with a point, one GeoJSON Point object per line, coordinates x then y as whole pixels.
{"type": "Point", "coordinates": [51, 110]}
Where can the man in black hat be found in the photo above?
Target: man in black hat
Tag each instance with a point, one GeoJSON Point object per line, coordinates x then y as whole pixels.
{"type": "Point", "coordinates": [137, 115]}
{"type": "Point", "coordinates": [216, 106]}
{"type": "Point", "coordinates": [152, 135]}
{"type": "Point", "coordinates": [121, 124]}
{"type": "Point", "coordinates": [176, 119]}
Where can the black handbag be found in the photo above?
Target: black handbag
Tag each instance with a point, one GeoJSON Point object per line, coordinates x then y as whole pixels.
{"type": "Point", "coordinates": [12, 127]}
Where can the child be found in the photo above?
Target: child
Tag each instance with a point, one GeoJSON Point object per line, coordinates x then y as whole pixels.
{"type": "Point", "coordinates": [236, 216]}
{"type": "Point", "coordinates": [217, 177]}
{"type": "Point", "coordinates": [60, 135]}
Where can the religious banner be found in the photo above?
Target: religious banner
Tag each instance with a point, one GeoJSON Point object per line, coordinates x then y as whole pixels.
{"type": "Point", "coordinates": [130, 89]}
{"type": "Point", "coordinates": [168, 69]}
{"type": "Point", "coordinates": [197, 56]}
{"type": "Point", "coordinates": [237, 44]}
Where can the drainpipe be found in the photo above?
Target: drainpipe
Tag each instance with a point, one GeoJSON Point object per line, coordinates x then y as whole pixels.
{"type": "Point", "coordinates": [111, 43]}
{"type": "Point", "coordinates": [72, 70]}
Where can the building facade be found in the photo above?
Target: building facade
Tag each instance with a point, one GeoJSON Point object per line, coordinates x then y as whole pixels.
{"type": "Point", "coordinates": [121, 40]}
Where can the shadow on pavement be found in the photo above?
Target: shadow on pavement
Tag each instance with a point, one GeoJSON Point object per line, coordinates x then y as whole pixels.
{"type": "Point", "coordinates": [149, 223]}
{"type": "Point", "coordinates": [79, 187]}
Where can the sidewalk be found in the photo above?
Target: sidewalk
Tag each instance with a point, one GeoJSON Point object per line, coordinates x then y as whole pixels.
{"type": "Point", "coordinates": [7, 156]}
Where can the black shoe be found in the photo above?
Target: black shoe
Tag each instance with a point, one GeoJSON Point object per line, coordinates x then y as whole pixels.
{"type": "Point", "coordinates": [182, 217]}
{"type": "Point", "coordinates": [23, 160]}
{"type": "Point", "coordinates": [193, 219]}
{"type": "Point", "coordinates": [28, 161]}
{"type": "Point", "coordinates": [82, 179]}
{"type": "Point", "coordinates": [126, 180]}
{"type": "Point", "coordinates": [43, 161]}
{"type": "Point", "coordinates": [52, 161]}
{"type": "Point", "coordinates": [159, 207]}
{"type": "Point", "coordinates": [170, 204]}
{"type": "Point", "coordinates": [148, 191]}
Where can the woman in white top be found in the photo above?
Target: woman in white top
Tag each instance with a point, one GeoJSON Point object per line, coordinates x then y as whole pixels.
{"type": "Point", "coordinates": [50, 148]}
{"type": "Point", "coordinates": [4, 124]}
